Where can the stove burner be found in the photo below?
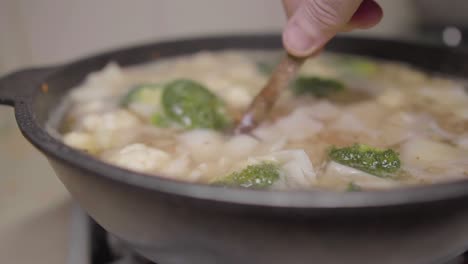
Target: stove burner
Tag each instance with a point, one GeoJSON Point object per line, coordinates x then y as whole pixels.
{"type": "Point", "coordinates": [91, 244]}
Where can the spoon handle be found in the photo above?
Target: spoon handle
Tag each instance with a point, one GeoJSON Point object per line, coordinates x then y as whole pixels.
{"type": "Point", "coordinates": [258, 110]}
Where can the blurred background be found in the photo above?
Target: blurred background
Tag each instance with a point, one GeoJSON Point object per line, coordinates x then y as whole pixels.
{"type": "Point", "coordinates": [34, 206]}
{"type": "Point", "coordinates": [53, 31]}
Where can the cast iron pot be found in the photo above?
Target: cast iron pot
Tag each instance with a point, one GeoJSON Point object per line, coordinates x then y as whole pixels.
{"type": "Point", "coordinates": [172, 222]}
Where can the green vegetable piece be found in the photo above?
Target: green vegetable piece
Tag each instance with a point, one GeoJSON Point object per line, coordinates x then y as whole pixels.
{"type": "Point", "coordinates": [256, 176]}
{"type": "Point", "coordinates": [353, 65]}
{"type": "Point", "coordinates": [381, 163]}
{"type": "Point", "coordinates": [319, 87]}
{"type": "Point", "coordinates": [160, 120]}
{"type": "Point", "coordinates": [191, 105]}
{"type": "Point", "coordinates": [145, 94]}
{"type": "Point", "coordinates": [150, 95]}
{"type": "Point", "coordinates": [352, 187]}
{"type": "Point", "coordinates": [362, 66]}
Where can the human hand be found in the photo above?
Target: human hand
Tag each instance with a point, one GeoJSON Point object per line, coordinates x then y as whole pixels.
{"type": "Point", "coordinates": [312, 23]}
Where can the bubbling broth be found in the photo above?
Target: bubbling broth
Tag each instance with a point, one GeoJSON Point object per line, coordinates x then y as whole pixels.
{"type": "Point", "coordinates": [347, 123]}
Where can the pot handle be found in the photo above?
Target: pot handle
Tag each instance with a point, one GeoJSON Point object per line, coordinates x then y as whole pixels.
{"type": "Point", "coordinates": [20, 84]}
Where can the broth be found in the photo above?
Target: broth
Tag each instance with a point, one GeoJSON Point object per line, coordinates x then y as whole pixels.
{"type": "Point", "coordinates": [347, 123]}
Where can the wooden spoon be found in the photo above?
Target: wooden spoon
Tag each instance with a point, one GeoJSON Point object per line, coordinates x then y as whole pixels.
{"type": "Point", "coordinates": [262, 104]}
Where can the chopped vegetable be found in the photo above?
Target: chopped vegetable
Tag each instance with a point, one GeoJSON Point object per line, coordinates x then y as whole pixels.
{"type": "Point", "coordinates": [316, 86]}
{"type": "Point", "coordinates": [145, 100]}
{"type": "Point", "coordinates": [160, 120]}
{"type": "Point", "coordinates": [381, 163]}
{"type": "Point", "coordinates": [363, 66]}
{"type": "Point", "coordinates": [149, 94]}
{"type": "Point", "coordinates": [257, 176]}
{"type": "Point", "coordinates": [191, 105]}
{"type": "Point", "coordinates": [352, 187]}
{"type": "Point", "coordinates": [353, 65]}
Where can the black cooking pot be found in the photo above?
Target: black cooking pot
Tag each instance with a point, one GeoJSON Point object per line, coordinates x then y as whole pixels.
{"type": "Point", "coordinates": [175, 222]}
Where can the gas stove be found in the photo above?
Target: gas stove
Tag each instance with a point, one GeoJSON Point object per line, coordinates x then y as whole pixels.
{"type": "Point", "coordinates": [91, 244]}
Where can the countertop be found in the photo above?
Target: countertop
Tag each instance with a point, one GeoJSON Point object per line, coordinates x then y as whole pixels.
{"type": "Point", "coordinates": [34, 205]}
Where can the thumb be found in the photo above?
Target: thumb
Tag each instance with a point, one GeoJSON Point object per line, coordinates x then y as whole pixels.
{"type": "Point", "coordinates": [315, 22]}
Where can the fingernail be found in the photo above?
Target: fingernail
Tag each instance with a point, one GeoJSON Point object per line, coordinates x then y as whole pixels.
{"type": "Point", "coordinates": [297, 41]}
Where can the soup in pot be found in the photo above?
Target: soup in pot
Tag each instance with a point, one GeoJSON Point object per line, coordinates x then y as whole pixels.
{"type": "Point", "coordinates": [346, 123]}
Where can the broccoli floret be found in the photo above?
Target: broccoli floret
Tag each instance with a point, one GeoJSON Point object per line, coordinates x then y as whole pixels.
{"type": "Point", "coordinates": [149, 94]}
{"type": "Point", "coordinates": [191, 105]}
{"type": "Point", "coordinates": [381, 163]}
{"type": "Point", "coordinates": [319, 87]}
{"type": "Point", "coordinates": [257, 176]}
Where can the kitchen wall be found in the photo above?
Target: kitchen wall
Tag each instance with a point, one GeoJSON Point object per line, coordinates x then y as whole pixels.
{"type": "Point", "coordinates": [52, 31]}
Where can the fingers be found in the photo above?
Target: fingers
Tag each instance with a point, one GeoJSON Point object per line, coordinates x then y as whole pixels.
{"type": "Point", "coordinates": [291, 6]}
{"type": "Point", "coordinates": [368, 15]}
{"type": "Point", "coordinates": [314, 22]}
